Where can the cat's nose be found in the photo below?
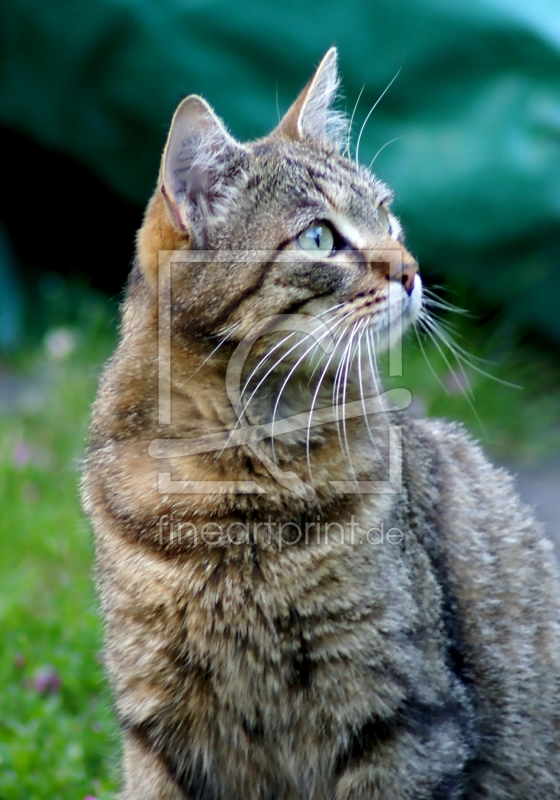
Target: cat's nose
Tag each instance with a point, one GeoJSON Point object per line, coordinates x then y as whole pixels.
{"type": "Point", "coordinates": [408, 275]}
{"type": "Point", "coordinates": [403, 269]}
{"type": "Point", "coordinates": [394, 262]}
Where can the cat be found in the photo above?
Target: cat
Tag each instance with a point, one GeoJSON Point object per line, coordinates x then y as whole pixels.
{"type": "Point", "coordinates": [352, 606]}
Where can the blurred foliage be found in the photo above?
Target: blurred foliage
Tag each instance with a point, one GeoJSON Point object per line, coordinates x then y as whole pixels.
{"type": "Point", "coordinates": [10, 296]}
{"type": "Point", "coordinates": [475, 110]}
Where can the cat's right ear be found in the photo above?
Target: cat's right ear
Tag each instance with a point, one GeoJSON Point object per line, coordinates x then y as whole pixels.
{"type": "Point", "coordinates": [197, 156]}
{"type": "Point", "coordinates": [312, 115]}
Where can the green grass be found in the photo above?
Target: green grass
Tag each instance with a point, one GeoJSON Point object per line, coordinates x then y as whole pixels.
{"type": "Point", "coordinates": [59, 740]}
{"type": "Point", "coordinates": [54, 742]}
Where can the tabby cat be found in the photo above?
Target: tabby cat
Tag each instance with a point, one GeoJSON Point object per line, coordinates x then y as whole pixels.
{"type": "Point", "coordinates": [308, 594]}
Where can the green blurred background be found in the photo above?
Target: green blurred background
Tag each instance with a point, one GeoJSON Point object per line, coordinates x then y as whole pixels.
{"type": "Point", "coordinates": [88, 89]}
{"type": "Point", "coordinates": [468, 136]}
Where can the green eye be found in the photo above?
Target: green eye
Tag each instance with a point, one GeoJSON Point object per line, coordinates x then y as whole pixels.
{"type": "Point", "coordinates": [317, 238]}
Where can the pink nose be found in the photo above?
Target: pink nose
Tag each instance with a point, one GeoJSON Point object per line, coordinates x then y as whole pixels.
{"type": "Point", "coordinates": [407, 276]}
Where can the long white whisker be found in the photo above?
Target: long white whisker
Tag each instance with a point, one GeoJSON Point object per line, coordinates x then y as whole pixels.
{"type": "Point", "coordinates": [338, 383]}
{"type": "Point", "coordinates": [370, 112]}
{"type": "Point", "coordinates": [381, 149]}
{"type": "Point", "coordinates": [436, 334]}
{"type": "Point", "coordinates": [468, 395]}
{"type": "Point", "coordinates": [431, 325]}
{"type": "Point", "coordinates": [244, 409]}
{"type": "Point", "coordinates": [349, 360]}
{"type": "Point", "coordinates": [322, 356]}
{"type": "Point", "coordinates": [460, 354]}
{"type": "Point", "coordinates": [228, 332]}
{"type": "Point", "coordinates": [316, 342]}
{"type": "Point", "coordinates": [316, 394]}
{"type": "Point", "coordinates": [374, 373]}
{"type": "Point", "coordinates": [427, 360]}
{"type": "Point", "coordinates": [363, 332]}
{"type": "Point", "coordinates": [349, 135]}
{"type": "Point", "coordinates": [261, 363]}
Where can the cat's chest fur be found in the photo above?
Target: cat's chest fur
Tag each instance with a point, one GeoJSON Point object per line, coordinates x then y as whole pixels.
{"type": "Point", "coordinates": [291, 665]}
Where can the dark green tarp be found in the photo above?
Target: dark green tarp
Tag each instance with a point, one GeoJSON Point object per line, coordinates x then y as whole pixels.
{"type": "Point", "coordinates": [475, 109]}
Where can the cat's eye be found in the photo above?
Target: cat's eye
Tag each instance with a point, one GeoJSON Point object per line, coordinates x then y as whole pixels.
{"type": "Point", "coordinates": [317, 238]}
{"type": "Point", "coordinates": [384, 218]}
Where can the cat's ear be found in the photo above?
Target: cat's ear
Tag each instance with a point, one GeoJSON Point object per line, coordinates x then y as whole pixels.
{"type": "Point", "coordinates": [311, 116]}
{"type": "Point", "coordinates": [197, 156]}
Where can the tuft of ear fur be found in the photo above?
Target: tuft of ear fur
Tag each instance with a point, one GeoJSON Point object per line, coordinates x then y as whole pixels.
{"type": "Point", "coordinates": [197, 157]}
{"type": "Point", "coordinates": [311, 116]}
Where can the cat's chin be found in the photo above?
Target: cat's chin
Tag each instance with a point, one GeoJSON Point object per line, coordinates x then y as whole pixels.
{"type": "Point", "coordinates": [414, 301]}
{"type": "Point", "coordinates": [403, 310]}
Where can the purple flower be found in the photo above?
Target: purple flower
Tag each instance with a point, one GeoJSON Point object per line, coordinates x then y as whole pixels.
{"type": "Point", "coordinates": [46, 680]}
{"type": "Point", "coordinates": [457, 382]}
{"type": "Point", "coordinates": [21, 454]}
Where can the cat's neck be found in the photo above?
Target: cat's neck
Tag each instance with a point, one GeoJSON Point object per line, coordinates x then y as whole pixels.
{"type": "Point", "coordinates": [302, 419]}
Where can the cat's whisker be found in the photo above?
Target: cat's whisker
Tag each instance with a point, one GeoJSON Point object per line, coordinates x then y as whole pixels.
{"type": "Point", "coordinates": [441, 304]}
{"type": "Point", "coordinates": [244, 408]}
{"type": "Point", "coordinates": [430, 292]}
{"type": "Point", "coordinates": [335, 389]}
{"type": "Point", "coordinates": [354, 349]}
{"type": "Point", "coordinates": [267, 356]}
{"type": "Point", "coordinates": [327, 310]}
{"type": "Point", "coordinates": [322, 355]}
{"type": "Point", "coordinates": [467, 393]}
{"type": "Point", "coordinates": [426, 359]}
{"type": "Point", "coordinates": [437, 336]}
{"type": "Point", "coordinates": [430, 298]}
{"type": "Point", "coordinates": [373, 361]}
{"type": "Point", "coordinates": [261, 363]}
{"type": "Point", "coordinates": [446, 325]}
{"type": "Point", "coordinates": [314, 400]}
{"type": "Point", "coordinates": [460, 355]}
{"type": "Point", "coordinates": [374, 340]}
{"type": "Point", "coordinates": [228, 332]}
{"type": "Point", "coordinates": [350, 124]}
{"type": "Point", "coordinates": [381, 149]}
{"type": "Point", "coordinates": [370, 112]}
{"type": "Point", "coordinates": [375, 376]}
{"type": "Point", "coordinates": [341, 381]}
{"type": "Point", "coordinates": [277, 363]}
{"type": "Point", "coordinates": [279, 344]}
{"type": "Point", "coordinates": [364, 335]}
{"type": "Point", "coordinates": [315, 344]}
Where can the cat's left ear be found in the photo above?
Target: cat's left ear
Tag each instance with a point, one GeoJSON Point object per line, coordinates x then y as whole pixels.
{"type": "Point", "coordinates": [311, 116]}
{"type": "Point", "coordinates": [198, 155]}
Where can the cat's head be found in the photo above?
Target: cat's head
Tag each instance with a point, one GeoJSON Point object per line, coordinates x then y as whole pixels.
{"type": "Point", "coordinates": [277, 226]}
